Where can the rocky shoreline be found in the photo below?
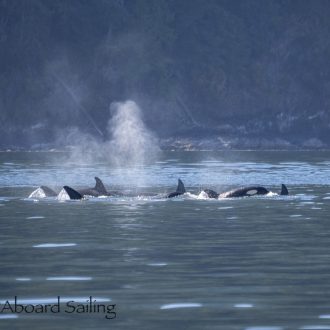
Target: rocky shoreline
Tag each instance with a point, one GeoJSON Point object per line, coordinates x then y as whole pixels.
{"type": "Point", "coordinates": [206, 144]}
{"type": "Point", "coordinates": [191, 144]}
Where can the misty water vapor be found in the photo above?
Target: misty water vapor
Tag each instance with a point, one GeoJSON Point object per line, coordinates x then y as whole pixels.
{"type": "Point", "coordinates": [130, 142]}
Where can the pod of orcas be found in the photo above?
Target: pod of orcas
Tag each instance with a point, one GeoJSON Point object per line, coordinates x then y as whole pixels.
{"type": "Point", "coordinates": [100, 190]}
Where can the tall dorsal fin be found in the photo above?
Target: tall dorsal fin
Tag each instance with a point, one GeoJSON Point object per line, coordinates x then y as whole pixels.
{"type": "Point", "coordinates": [284, 190]}
{"type": "Point", "coordinates": [180, 188]}
{"type": "Point", "coordinates": [73, 194]}
{"type": "Point", "coordinates": [99, 186]}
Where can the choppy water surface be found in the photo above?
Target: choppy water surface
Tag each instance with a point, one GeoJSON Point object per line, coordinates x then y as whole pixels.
{"type": "Point", "coordinates": [248, 263]}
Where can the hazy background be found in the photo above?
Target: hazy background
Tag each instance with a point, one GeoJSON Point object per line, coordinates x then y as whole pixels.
{"type": "Point", "coordinates": [205, 74]}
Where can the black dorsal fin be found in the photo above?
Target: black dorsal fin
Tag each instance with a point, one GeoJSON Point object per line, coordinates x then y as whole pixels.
{"type": "Point", "coordinates": [180, 188]}
{"type": "Point", "coordinates": [284, 190]}
{"type": "Point", "coordinates": [73, 194]}
{"type": "Point", "coordinates": [99, 186]}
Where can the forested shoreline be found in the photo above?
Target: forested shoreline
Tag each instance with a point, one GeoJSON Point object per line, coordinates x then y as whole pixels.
{"type": "Point", "coordinates": [236, 73]}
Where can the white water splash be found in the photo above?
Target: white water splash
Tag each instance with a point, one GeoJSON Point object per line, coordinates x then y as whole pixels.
{"type": "Point", "coordinates": [272, 194]}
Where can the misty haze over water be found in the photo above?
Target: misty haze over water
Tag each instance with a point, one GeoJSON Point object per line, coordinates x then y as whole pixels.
{"type": "Point", "coordinates": [205, 74]}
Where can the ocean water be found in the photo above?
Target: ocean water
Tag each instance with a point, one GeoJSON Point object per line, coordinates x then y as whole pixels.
{"type": "Point", "coordinates": [257, 263]}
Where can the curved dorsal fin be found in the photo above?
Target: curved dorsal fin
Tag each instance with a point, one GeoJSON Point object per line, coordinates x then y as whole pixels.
{"type": "Point", "coordinates": [180, 188]}
{"type": "Point", "coordinates": [73, 194]}
{"type": "Point", "coordinates": [99, 186]}
{"type": "Point", "coordinates": [284, 190]}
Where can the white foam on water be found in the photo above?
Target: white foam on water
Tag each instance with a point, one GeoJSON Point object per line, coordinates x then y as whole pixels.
{"type": "Point", "coordinates": [181, 305]}
{"type": "Point", "coordinates": [324, 316]}
{"type": "Point", "coordinates": [23, 279]}
{"type": "Point", "coordinates": [295, 215]}
{"type": "Point", "coordinates": [271, 194]}
{"type": "Point", "coordinates": [315, 327]}
{"type": "Point", "coordinates": [128, 286]}
{"type": "Point", "coordinates": [158, 264]}
{"type": "Point", "coordinates": [264, 328]}
{"type": "Point", "coordinates": [36, 217]}
{"type": "Point", "coordinates": [243, 305]}
{"type": "Point", "coordinates": [8, 316]}
{"type": "Point", "coordinates": [69, 278]}
{"type": "Point", "coordinates": [190, 195]}
{"type": "Point", "coordinates": [225, 207]}
{"type": "Point", "coordinates": [202, 195]}
{"type": "Point", "coordinates": [54, 245]}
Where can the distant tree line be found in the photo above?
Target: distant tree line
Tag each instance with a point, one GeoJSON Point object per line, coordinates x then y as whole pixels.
{"type": "Point", "coordinates": [197, 68]}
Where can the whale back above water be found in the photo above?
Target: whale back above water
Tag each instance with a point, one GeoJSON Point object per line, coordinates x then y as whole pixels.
{"type": "Point", "coordinates": [180, 190]}
{"type": "Point", "coordinates": [42, 192]}
{"type": "Point", "coordinates": [98, 190]}
{"type": "Point", "coordinates": [48, 191]}
{"type": "Point", "coordinates": [245, 192]}
{"type": "Point", "coordinates": [211, 193]}
{"type": "Point", "coordinates": [99, 186]}
{"type": "Point", "coordinates": [73, 194]}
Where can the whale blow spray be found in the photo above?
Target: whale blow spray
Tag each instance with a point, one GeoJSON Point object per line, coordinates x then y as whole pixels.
{"type": "Point", "coordinates": [129, 144]}
{"type": "Point", "coordinates": [132, 143]}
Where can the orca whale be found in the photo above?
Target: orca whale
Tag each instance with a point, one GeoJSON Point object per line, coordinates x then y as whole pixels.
{"type": "Point", "coordinates": [80, 194]}
{"type": "Point", "coordinates": [73, 194]}
{"type": "Point", "coordinates": [180, 190]}
{"type": "Point", "coordinates": [244, 192]}
{"type": "Point", "coordinates": [98, 190]}
{"type": "Point", "coordinates": [42, 192]}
